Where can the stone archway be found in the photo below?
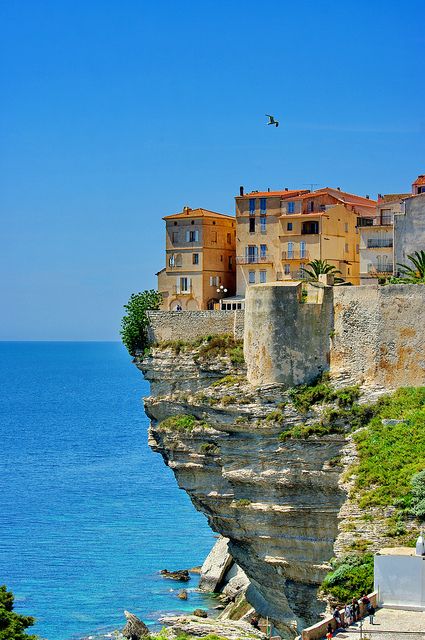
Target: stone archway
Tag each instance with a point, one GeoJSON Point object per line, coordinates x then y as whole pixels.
{"type": "Point", "coordinates": [176, 305]}
{"type": "Point", "coordinates": [192, 305]}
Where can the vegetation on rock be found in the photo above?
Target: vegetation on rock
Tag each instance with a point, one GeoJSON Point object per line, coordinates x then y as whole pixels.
{"type": "Point", "coordinates": [135, 322]}
{"type": "Point", "coordinates": [184, 422]}
{"type": "Point", "coordinates": [208, 347]}
{"type": "Point", "coordinates": [319, 267]}
{"type": "Point", "coordinates": [321, 391]}
{"type": "Point", "coordinates": [13, 625]}
{"type": "Point", "coordinates": [351, 577]}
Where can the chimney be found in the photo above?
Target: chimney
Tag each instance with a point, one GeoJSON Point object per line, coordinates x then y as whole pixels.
{"type": "Point", "coordinates": [186, 209]}
{"type": "Point", "coordinates": [286, 189]}
{"type": "Point", "coordinates": [241, 190]}
{"type": "Point", "coordinates": [268, 189]}
{"type": "Point", "coordinates": [368, 197]}
{"type": "Point", "coordinates": [339, 188]}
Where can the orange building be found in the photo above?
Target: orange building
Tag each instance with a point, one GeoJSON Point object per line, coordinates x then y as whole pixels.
{"type": "Point", "coordinates": [200, 258]}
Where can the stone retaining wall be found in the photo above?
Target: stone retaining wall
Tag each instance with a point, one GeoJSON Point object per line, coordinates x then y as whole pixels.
{"type": "Point", "coordinates": [190, 325]}
{"type": "Point", "coordinates": [319, 630]}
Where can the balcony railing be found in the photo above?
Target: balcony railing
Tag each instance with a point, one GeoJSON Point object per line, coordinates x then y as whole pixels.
{"type": "Point", "coordinates": [375, 221]}
{"type": "Point", "coordinates": [253, 259]}
{"type": "Point", "coordinates": [380, 268]}
{"type": "Point", "coordinates": [297, 254]}
{"type": "Point", "coordinates": [379, 243]}
{"type": "Point", "coordinates": [183, 292]}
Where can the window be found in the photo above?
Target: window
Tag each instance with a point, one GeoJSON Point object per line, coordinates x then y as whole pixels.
{"type": "Point", "coordinates": [251, 277]}
{"type": "Point", "coordinates": [251, 252]}
{"type": "Point", "coordinates": [192, 222]}
{"type": "Point", "coordinates": [263, 276]}
{"type": "Point", "coordinates": [263, 224]}
{"type": "Point", "coordinates": [175, 237]}
{"type": "Point", "coordinates": [230, 262]}
{"type": "Point", "coordinates": [214, 236]}
{"type": "Point", "coordinates": [229, 238]}
{"type": "Point", "coordinates": [192, 236]}
{"type": "Point", "coordinates": [346, 227]}
{"type": "Point", "coordinates": [311, 206]}
{"type": "Point", "coordinates": [171, 261]}
{"type": "Point", "coordinates": [357, 248]}
{"type": "Point", "coordinates": [221, 258]}
{"type": "Point", "coordinates": [290, 249]}
{"type": "Point", "coordinates": [303, 253]}
{"type": "Point", "coordinates": [195, 258]}
{"type": "Point", "coordinates": [263, 250]}
{"type": "Point", "coordinates": [289, 226]}
{"type": "Point", "coordinates": [214, 281]}
{"type": "Point", "coordinates": [287, 269]}
{"type": "Point", "coordinates": [184, 285]}
{"type": "Point", "coordinates": [309, 228]}
{"type": "Point", "coordinates": [175, 224]}
{"type": "Point", "coordinates": [348, 271]}
{"type": "Point", "coordinates": [291, 207]}
{"type": "Point", "coordinates": [252, 225]}
{"type": "Point", "coordinates": [346, 247]}
{"type": "Point", "coordinates": [263, 205]}
{"type": "Point", "coordinates": [252, 206]}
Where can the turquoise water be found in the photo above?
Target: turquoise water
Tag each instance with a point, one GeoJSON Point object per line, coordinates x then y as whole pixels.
{"type": "Point", "coordinates": [88, 514]}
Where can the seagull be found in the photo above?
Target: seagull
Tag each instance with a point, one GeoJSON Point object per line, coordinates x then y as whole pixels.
{"type": "Point", "coordinates": [272, 120]}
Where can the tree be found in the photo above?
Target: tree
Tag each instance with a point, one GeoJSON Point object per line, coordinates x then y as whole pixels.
{"type": "Point", "coordinates": [414, 274]}
{"type": "Point", "coordinates": [317, 267]}
{"type": "Point", "coordinates": [12, 625]}
{"type": "Point", "coordinates": [134, 324]}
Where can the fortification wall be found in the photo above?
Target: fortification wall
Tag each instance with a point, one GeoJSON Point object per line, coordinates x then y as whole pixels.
{"type": "Point", "coordinates": [379, 335]}
{"type": "Point", "coordinates": [286, 341]}
{"type": "Point", "coordinates": [190, 325]}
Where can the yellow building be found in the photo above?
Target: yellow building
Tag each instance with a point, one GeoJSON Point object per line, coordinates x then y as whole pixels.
{"type": "Point", "coordinates": [278, 233]}
{"type": "Point", "coordinates": [200, 258]}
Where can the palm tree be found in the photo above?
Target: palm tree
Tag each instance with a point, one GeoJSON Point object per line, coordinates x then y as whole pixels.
{"type": "Point", "coordinates": [414, 274]}
{"type": "Point", "coordinates": [317, 267]}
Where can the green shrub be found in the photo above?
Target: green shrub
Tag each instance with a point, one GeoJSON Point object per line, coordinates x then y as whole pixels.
{"type": "Point", "coordinates": [418, 494]}
{"type": "Point", "coordinates": [225, 400]}
{"type": "Point", "coordinates": [134, 325]}
{"type": "Point", "coordinates": [275, 416]}
{"type": "Point", "coordinates": [181, 423]}
{"type": "Point", "coordinates": [390, 454]}
{"type": "Point", "coordinates": [209, 448]}
{"type": "Point", "coordinates": [227, 381]}
{"type": "Point", "coordinates": [305, 396]}
{"type": "Point", "coordinates": [351, 577]}
{"type": "Point", "coordinates": [13, 625]}
{"type": "Point", "coordinates": [243, 502]}
{"type": "Point", "coordinates": [221, 345]}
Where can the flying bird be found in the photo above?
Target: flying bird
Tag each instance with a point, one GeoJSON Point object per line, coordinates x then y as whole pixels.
{"type": "Point", "coordinates": [272, 120]}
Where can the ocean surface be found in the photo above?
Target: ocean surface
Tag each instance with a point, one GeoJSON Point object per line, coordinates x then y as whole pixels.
{"type": "Point", "coordinates": [88, 514]}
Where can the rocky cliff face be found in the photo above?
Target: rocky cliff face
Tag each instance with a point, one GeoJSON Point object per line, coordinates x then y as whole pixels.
{"type": "Point", "coordinates": [277, 502]}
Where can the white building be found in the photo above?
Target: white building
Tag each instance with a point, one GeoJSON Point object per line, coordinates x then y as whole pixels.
{"type": "Point", "coordinates": [399, 576]}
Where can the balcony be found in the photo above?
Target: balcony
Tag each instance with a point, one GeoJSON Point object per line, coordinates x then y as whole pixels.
{"type": "Point", "coordinates": [379, 243]}
{"type": "Point", "coordinates": [375, 269]}
{"type": "Point", "coordinates": [296, 255]}
{"type": "Point", "coordinates": [375, 221]}
{"type": "Point", "coordinates": [253, 259]}
{"type": "Point", "coordinates": [182, 292]}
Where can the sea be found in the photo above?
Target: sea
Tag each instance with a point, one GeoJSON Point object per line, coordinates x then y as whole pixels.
{"type": "Point", "coordinates": [89, 515]}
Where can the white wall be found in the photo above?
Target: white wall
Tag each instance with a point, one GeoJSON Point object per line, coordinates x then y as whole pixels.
{"type": "Point", "coordinates": [400, 581]}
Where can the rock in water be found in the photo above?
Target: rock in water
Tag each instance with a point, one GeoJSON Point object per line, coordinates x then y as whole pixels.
{"type": "Point", "coordinates": [182, 575]}
{"type": "Point", "coordinates": [182, 594]}
{"type": "Point", "coordinates": [215, 566]}
{"type": "Point", "coordinates": [135, 628]}
{"type": "Point", "coordinates": [200, 613]}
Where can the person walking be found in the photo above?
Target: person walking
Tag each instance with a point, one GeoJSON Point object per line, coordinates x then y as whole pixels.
{"type": "Point", "coordinates": [356, 609]}
{"type": "Point", "coordinates": [347, 615]}
{"type": "Point", "coordinates": [371, 612]}
{"type": "Point", "coordinates": [337, 617]}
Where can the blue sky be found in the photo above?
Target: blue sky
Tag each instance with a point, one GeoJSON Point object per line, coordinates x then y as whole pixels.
{"type": "Point", "coordinates": [114, 114]}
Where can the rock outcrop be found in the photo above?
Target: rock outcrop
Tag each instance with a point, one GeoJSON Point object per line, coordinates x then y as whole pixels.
{"type": "Point", "coordinates": [277, 502]}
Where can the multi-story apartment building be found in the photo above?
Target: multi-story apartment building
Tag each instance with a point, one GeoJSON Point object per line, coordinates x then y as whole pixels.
{"type": "Point", "coordinates": [200, 258]}
{"type": "Point", "coordinates": [279, 232]}
{"type": "Point", "coordinates": [377, 238]}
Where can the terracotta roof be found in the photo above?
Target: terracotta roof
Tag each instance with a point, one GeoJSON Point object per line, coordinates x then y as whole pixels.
{"type": "Point", "coordinates": [197, 213]}
{"type": "Point", "coordinates": [419, 180]}
{"type": "Point", "coordinates": [344, 196]}
{"type": "Point", "coordinates": [291, 193]}
{"type": "Point", "coordinates": [393, 197]}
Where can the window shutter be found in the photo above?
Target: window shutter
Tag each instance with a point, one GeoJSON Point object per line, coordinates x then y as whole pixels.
{"type": "Point", "coordinates": [178, 285]}
{"type": "Point", "coordinates": [196, 235]}
{"type": "Point", "coordinates": [187, 236]}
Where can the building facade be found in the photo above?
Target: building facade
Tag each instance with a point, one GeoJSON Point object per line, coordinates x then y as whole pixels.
{"type": "Point", "coordinates": [200, 258]}
{"type": "Point", "coordinates": [278, 233]}
{"type": "Point", "coordinates": [409, 229]}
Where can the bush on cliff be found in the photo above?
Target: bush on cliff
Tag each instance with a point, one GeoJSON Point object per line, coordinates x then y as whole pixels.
{"type": "Point", "coordinates": [351, 577]}
{"type": "Point", "coordinates": [184, 422]}
{"type": "Point", "coordinates": [12, 625]}
{"type": "Point", "coordinates": [134, 324]}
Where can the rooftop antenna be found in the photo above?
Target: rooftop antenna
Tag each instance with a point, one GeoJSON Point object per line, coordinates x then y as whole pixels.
{"type": "Point", "coordinates": [312, 185]}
